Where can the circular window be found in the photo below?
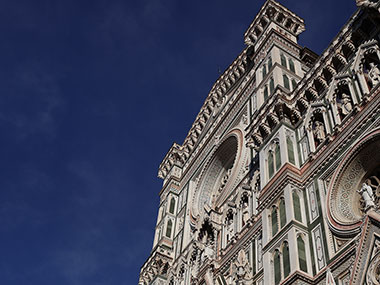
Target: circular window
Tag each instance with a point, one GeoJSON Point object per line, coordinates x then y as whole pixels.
{"type": "Point", "coordinates": [219, 174]}
{"type": "Point", "coordinates": [347, 199]}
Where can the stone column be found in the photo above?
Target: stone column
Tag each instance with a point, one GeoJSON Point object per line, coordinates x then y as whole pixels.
{"type": "Point", "coordinates": [265, 223]}
{"type": "Point", "coordinates": [288, 203]}
{"type": "Point", "coordinates": [310, 138]}
{"type": "Point", "coordinates": [293, 252]}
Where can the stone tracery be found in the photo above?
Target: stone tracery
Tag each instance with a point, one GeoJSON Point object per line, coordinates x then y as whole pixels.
{"type": "Point", "coordinates": [346, 206]}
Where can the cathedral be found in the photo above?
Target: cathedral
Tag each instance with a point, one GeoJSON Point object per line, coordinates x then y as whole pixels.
{"type": "Point", "coordinates": [278, 179]}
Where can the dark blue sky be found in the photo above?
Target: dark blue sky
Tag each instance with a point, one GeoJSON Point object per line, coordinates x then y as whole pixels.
{"type": "Point", "coordinates": [92, 95]}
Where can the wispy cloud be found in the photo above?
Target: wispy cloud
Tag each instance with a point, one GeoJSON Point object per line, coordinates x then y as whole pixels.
{"type": "Point", "coordinates": [30, 99]}
{"type": "Point", "coordinates": [125, 25]}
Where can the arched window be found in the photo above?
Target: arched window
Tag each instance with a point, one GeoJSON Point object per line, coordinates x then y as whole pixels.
{"type": "Point", "coordinates": [301, 254]}
{"type": "Point", "coordinates": [169, 226]}
{"type": "Point", "coordinates": [291, 65]}
{"type": "Point", "coordinates": [277, 267]}
{"type": "Point", "coordinates": [289, 144]}
{"type": "Point", "coordinates": [277, 156]}
{"type": "Point", "coordinates": [269, 63]}
{"type": "Point", "coordinates": [297, 207]}
{"type": "Point", "coordinates": [274, 220]}
{"type": "Point", "coordinates": [294, 84]}
{"type": "Point", "coordinates": [283, 60]}
{"type": "Point", "coordinates": [265, 92]}
{"type": "Point", "coordinates": [264, 70]}
{"type": "Point", "coordinates": [270, 164]}
{"type": "Point", "coordinates": [286, 259]}
{"type": "Point", "coordinates": [172, 206]}
{"type": "Point", "coordinates": [282, 213]}
{"type": "Point", "coordinates": [286, 81]}
{"type": "Point", "coordinates": [271, 85]}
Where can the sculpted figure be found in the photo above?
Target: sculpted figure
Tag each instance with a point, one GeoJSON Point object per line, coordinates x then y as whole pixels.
{"type": "Point", "coordinates": [345, 105]}
{"type": "Point", "coordinates": [374, 74]}
{"type": "Point", "coordinates": [245, 212]}
{"type": "Point", "coordinates": [245, 216]}
{"type": "Point", "coordinates": [230, 229]}
{"type": "Point", "coordinates": [367, 194]}
{"type": "Point", "coordinates": [319, 131]}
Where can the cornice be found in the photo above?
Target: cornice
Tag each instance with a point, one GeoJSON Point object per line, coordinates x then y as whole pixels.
{"type": "Point", "coordinates": [334, 51]}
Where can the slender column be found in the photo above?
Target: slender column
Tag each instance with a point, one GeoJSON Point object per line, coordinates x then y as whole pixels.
{"type": "Point", "coordinates": [265, 222]}
{"type": "Point", "coordinates": [288, 203]}
{"type": "Point", "coordinates": [311, 139]}
{"type": "Point", "coordinates": [293, 254]}
{"type": "Point", "coordinates": [352, 91]}
{"type": "Point", "coordinates": [327, 122]}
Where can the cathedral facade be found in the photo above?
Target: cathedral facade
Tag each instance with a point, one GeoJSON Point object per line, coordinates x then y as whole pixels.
{"type": "Point", "coordinates": [278, 179]}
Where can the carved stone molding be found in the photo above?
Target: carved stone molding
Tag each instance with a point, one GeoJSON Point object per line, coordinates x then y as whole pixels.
{"type": "Point", "coordinates": [344, 203]}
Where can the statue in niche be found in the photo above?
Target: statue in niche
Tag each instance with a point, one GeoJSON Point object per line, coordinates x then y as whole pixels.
{"type": "Point", "coordinates": [245, 216]}
{"type": "Point", "coordinates": [367, 194]}
{"type": "Point", "coordinates": [225, 180]}
{"type": "Point", "coordinates": [319, 131]}
{"type": "Point", "coordinates": [374, 74]}
{"type": "Point", "coordinates": [230, 228]}
{"type": "Point", "coordinates": [345, 104]}
{"type": "Point", "coordinates": [374, 183]}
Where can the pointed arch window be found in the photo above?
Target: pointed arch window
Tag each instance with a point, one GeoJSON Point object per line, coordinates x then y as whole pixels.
{"type": "Point", "coordinates": [264, 70]}
{"type": "Point", "coordinates": [270, 164]}
{"type": "Point", "coordinates": [282, 213]}
{"type": "Point", "coordinates": [274, 219]}
{"type": "Point", "coordinates": [271, 85]}
{"type": "Point", "coordinates": [172, 206]}
{"type": "Point", "coordinates": [283, 60]}
{"type": "Point", "coordinates": [286, 259]}
{"type": "Point", "coordinates": [266, 92]}
{"type": "Point", "coordinates": [286, 81]}
{"type": "Point", "coordinates": [169, 226]}
{"type": "Point", "coordinates": [277, 267]}
{"type": "Point", "coordinates": [289, 144]}
{"type": "Point", "coordinates": [270, 64]}
{"type": "Point", "coordinates": [301, 254]}
{"type": "Point", "coordinates": [291, 65]}
{"type": "Point", "coordinates": [297, 207]}
{"type": "Point", "coordinates": [277, 156]}
{"type": "Point", "coordinates": [274, 158]}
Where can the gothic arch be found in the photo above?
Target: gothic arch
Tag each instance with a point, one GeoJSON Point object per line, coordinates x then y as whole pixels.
{"type": "Point", "coordinates": [343, 201]}
{"type": "Point", "coordinates": [220, 173]}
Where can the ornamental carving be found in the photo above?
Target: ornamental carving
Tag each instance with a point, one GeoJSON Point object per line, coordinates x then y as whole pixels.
{"type": "Point", "coordinates": [373, 274]}
{"type": "Point", "coordinates": [241, 271]}
{"type": "Point", "coordinates": [355, 185]}
{"type": "Point", "coordinates": [219, 174]}
{"type": "Point", "coordinates": [370, 193]}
